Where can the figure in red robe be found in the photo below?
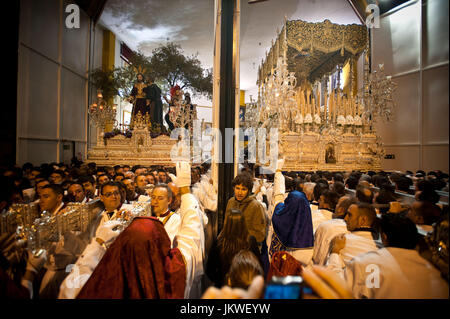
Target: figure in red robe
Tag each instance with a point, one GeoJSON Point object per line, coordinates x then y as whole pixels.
{"type": "Point", "coordinates": [139, 264]}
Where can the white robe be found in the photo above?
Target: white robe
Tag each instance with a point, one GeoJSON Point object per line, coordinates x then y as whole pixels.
{"type": "Point", "coordinates": [356, 243]}
{"type": "Point", "coordinates": [402, 274]}
{"type": "Point", "coordinates": [172, 225]}
{"type": "Point", "coordinates": [319, 216]}
{"type": "Point", "coordinates": [325, 232]}
{"type": "Point", "coordinates": [86, 263]}
{"type": "Point", "coordinates": [190, 240]}
{"type": "Point", "coordinates": [205, 192]}
{"type": "Point", "coordinates": [259, 184]}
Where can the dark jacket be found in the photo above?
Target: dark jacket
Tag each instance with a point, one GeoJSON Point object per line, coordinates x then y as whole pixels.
{"type": "Point", "coordinates": [254, 215]}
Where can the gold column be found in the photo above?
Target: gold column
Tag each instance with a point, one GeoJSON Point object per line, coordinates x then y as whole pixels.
{"type": "Point", "coordinates": [242, 98]}
{"type": "Point", "coordinates": [109, 41]}
{"type": "Point", "coordinates": [354, 76]}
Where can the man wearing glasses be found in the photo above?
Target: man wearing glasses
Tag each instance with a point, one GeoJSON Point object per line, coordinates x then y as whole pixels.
{"type": "Point", "coordinates": [110, 197]}
{"type": "Point", "coordinates": [105, 234]}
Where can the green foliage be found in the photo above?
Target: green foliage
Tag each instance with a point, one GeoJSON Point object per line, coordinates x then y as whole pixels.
{"type": "Point", "coordinates": [167, 65]}
{"type": "Point", "coordinates": [107, 81]}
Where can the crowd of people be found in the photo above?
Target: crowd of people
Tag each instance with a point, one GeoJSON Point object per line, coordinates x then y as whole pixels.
{"type": "Point", "coordinates": [347, 234]}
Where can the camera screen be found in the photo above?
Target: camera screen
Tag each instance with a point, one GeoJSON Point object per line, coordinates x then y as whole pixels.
{"type": "Point", "coordinates": [275, 291]}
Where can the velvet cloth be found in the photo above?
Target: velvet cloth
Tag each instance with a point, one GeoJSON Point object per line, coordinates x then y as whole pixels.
{"type": "Point", "coordinates": [139, 264]}
{"type": "Point", "coordinates": [156, 107]}
{"type": "Point", "coordinates": [292, 221]}
{"type": "Point", "coordinates": [283, 264]}
{"type": "Point", "coordinates": [10, 290]}
{"type": "Point", "coordinates": [139, 92]}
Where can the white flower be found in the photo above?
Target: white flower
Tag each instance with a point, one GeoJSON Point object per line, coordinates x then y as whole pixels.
{"type": "Point", "coordinates": [349, 120]}
{"type": "Point", "coordinates": [358, 120]}
{"type": "Point", "coordinates": [308, 119]}
{"type": "Point", "coordinates": [316, 118]}
{"type": "Point", "coordinates": [299, 119]}
{"type": "Point", "coordinates": [341, 120]}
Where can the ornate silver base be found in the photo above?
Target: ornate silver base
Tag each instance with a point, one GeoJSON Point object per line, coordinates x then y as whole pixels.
{"type": "Point", "coordinates": [140, 149]}
{"type": "Point", "coordinates": [330, 151]}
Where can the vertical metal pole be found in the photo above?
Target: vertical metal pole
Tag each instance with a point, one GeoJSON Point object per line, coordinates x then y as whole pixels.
{"type": "Point", "coordinates": [59, 88]}
{"type": "Point", "coordinates": [227, 103]}
{"type": "Point", "coordinates": [422, 7]}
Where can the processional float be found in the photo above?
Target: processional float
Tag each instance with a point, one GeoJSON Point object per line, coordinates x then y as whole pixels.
{"type": "Point", "coordinates": [136, 146]}
{"type": "Point", "coordinates": [323, 125]}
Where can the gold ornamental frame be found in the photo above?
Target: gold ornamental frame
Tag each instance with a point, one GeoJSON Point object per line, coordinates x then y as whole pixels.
{"type": "Point", "coordinates": [313, 50]}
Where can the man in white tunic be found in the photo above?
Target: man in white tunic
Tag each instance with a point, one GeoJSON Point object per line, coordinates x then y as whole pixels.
{"type": "Point", "coordinates": [161, 198]}
{"type": "Point", "coordinates": [361, 239]}
{"type": "Point", "coordinates": [327, 230]}
{"type": "Point", "coordinates": [327, 203]}
{"type": "Point", "coordinates": [105, 233]}
{"type": "Point", "coordinates": [397, 271]}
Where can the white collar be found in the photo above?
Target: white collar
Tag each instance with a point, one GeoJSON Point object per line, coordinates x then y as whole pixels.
{"type": "Point", "coordinates": [106, 215]}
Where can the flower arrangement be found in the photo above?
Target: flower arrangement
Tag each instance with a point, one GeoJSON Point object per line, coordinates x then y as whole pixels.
{"type": "Point", "coordinates": [357, 120]}
{"type": "Point", "coordinates": [308, 119]}
{"type": "Point", "coordinates": [116, 132]}
{"type": "Point", "coordinates": [349, 120]}
{"type": "Point", "coordinates": [299, 119]}
{"type": "Point", "coordinates": [317, 119]}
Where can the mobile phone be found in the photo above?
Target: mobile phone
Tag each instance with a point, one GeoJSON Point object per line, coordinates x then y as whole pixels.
{"type": "Point", "coordinates": [289, 287]}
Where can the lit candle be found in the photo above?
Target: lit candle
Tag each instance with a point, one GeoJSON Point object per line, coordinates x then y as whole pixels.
{"type": "Point", "coordinates": [308, 100]}
{"type": "Point", "coordinates": [353, 107]}
{"type": "Point", "coordinates": [318, 102]}
{"type": "Point", "coordinates": [339, 104]}
{"type": "Point", "coordinates": [347, 109]}
{"type": "Point", "coordinates": [345, 106]}
{"type": "Point", "coordinates": [349, 105]}
{"type": "Point", "coordinates": [332, 105]}
{"type": "Point", "coordinates": [304, 103]}
{"type": "Point", "coordinates": [313, 105]}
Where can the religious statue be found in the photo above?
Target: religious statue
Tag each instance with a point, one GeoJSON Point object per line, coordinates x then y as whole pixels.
{"type": "Point", "coordinates": [139, 99]}
{"type": "Point", "coordinates": [156, 108]}
{"type": "Point", "coordinates": [189, 110]}
{"type": "Point", "coordinates": [175, 100]}
{"type": "Point", "coordinates": [330, 157]}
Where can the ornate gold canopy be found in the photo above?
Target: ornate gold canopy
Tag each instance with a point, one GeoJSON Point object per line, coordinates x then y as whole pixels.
{"type": "Point", "coordinates": [314, 49]}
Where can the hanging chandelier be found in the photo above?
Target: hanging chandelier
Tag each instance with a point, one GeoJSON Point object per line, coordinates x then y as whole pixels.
{"type": "Point", "coordinates": [379, 102]}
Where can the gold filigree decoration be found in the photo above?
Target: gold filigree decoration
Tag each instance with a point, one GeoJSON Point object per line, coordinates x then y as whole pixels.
{"type": "Point", "coordinates": [314, 49]}
{"type": "Point", "coordinates": [140, 121]}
